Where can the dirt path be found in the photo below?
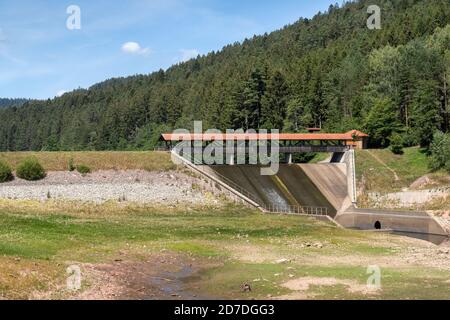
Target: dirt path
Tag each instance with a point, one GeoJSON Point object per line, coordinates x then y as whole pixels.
{"type": "Point", "coordinates": [385, 165]}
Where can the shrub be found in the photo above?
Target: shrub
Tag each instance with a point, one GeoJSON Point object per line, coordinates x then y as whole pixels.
{"type": "Point", "coordinates": [5, 172]}
{"type": "Point", "coordinates": [410, 138]}
{"type": "Point", "coordinates": [30, 169]}
{"type": "Point", "coordinates": [447, 166]}
{"type": "Point", "coordinates": [396, 141]}
{"type": "Point", "coordinates": [71, 165]}
{"type": "Point", "coordinates": [440, 151]}
{"type": "Point", "coordinates": [83, 169]}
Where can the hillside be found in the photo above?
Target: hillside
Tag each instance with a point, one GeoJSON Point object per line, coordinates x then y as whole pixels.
{"type": "Point", "coordinates": [384, 178]}
{"type": "Point", "coordinates": [383, 171]}
{"type": "Point", "coordinates": [329, 71]}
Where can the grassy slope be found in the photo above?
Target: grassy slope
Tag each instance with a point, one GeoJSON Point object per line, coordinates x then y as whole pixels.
{"type": "Point", "coordinates": [39, 240]}
{"type": "Point", "coordinates": [410, 166]}
{"type": "Point", "coordinates": [96, 160]}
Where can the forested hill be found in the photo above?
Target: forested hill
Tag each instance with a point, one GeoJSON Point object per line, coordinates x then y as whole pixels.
{"type": "Point", "coordinates": [5, 103]}
{"type": "Point", "coordinates": [329, 71]}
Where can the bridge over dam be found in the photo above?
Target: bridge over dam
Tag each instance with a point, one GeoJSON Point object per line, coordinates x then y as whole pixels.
{"type": "Point", "coordinates": [319, 190]}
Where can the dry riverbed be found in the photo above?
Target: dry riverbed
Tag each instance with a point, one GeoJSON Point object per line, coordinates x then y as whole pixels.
{"type": "Point", "coordinates": [169, 188]}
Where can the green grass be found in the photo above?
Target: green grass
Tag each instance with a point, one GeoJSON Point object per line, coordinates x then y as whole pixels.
{"type": "Point", "coordinates": [321, 156]}
{"type": "Point", "coordinates": [410, 166]}
{"type": "Point", "coordinates": [44, 236]}
{"type": "Point", "coordinates": [50, 234]}
{"type": "Point", "coordinates": [265, 279]}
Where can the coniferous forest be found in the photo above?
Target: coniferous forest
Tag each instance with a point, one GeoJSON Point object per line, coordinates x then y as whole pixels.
{"type": "Point", "coordinates": [330, 71]}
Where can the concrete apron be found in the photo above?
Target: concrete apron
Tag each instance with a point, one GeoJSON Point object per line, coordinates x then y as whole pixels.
{"type": "Point", "coordinates": [399, 221]}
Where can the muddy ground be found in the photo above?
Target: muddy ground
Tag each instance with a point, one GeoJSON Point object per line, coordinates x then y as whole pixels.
{"type": "Point", "coordinates": [159, 277]}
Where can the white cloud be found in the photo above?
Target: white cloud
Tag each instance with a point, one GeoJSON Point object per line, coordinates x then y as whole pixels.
{"type": "Point", "coordinates": [135, 48]}
{"type": "Point", "coordinates": [188, 54]}
{"type": "Point", "coordinates": [60, 93]}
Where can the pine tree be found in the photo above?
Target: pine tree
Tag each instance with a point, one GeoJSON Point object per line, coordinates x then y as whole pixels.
{"type": "Point", "coordinates": [298, 116]}
{"type": "Point", "coordinates": [382, 122]}
{"type": "Point", "coordinates": [253, 93]}
{"type": "Point", "coordinates": [426, 117]}
{"type": "Point", "coordinates": [274, 103]}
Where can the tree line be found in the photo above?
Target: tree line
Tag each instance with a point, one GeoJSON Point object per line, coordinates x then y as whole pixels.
{"type": "Point", "coordinates": [330, 71]}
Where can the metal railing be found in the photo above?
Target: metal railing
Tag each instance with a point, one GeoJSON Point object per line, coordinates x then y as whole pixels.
{"type": "Point", "coordinates": [316, 211]}
{"type": "Point", "coordinates": [286, 209]}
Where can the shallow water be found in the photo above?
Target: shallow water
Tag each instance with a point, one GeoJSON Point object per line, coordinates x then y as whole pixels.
{"type": "Point", "coordinates": [175, 285]}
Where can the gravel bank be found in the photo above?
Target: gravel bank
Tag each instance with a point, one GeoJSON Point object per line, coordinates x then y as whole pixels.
{"type": "Point", "coordinates": [410, 198]}
{"type": "Point", "coordinates": [140, 186]}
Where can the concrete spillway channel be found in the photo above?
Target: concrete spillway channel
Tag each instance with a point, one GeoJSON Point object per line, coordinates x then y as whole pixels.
{"type": "Point", "coordinates": [292, 186]}
{"type": "Point", "coordinates": [315, 186]}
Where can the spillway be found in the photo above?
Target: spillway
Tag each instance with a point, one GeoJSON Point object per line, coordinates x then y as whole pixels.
{"type": "Point", "coordinates": [321, 185]}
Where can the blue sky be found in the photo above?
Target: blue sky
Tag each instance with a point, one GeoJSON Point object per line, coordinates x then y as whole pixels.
{"type": "Point", "coordinates": [40, 57]}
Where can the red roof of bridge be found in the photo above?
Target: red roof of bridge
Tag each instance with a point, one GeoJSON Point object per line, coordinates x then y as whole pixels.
{"type": "Point", "coordinates": [261, 136]}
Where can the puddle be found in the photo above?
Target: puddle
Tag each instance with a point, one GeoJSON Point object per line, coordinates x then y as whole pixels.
{"type": "Point", "coordinates": [175, 285]}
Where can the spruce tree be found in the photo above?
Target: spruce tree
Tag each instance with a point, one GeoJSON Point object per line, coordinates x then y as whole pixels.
{"type": "Point", "coordinates": [274, 103]}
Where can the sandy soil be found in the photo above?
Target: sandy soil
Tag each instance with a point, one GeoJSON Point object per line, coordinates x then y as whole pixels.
{"type": "Point", "coordinates": [303, 284]}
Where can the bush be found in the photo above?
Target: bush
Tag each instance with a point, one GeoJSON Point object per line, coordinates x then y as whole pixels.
{"type": "Point", "coordinates": [83, 169]}
{"type": "Point", "coordinates": [70, 165]}
{"type": "Point", "coordinates": [30, 169]}
{"type": "Point", "coordinates": [447, 166]}
{"type": "Point", "coordinates": [396, 141]}
{"type": "Point", "coordinates": [5, 172]}
{"type": "Point", "coordinates": [410, 138]}
{"type": "Point", "coordinates": [440, 151]}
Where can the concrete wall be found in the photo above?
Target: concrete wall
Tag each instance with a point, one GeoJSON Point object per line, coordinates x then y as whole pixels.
{"type": "Point", "coordinates": [331, 180]}
{"type": "Point", "coordinates": [414, 222]}
{"type": "Point", "coordinates": [349, 160]}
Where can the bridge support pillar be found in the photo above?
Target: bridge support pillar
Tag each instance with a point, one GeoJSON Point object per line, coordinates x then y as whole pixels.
{"type": "Point", "coordinates": [349, 159]}
{"type": "Point", "coordinates": [230, 159]}
{"type": "Point", "coordinates": [289, 158]}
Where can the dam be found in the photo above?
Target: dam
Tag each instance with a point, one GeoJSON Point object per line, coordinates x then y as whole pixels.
{"type": "Point", "coordinates": [294, 185]}
{"type": "Point", "coordinates": [323, 189]}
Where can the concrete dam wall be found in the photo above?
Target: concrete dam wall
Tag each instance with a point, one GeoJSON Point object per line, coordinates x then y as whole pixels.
{"type": "Point", "coordinates": [318, 185]}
